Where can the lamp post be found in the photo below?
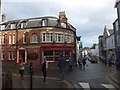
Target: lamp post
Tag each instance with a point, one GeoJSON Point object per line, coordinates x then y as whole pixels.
{"type": "Point", "coordinates": [17, 27]}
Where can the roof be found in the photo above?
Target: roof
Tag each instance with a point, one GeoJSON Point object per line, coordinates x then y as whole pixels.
{"type": "Point", "coordinates": [116, 3]}
{"type": "Point", "coordinates": [109, 31]}
{"type": "Point", "coordinates": [40, 22]}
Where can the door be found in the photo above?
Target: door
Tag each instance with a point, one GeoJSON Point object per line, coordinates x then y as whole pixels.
{"type": "Point", "coordinates": [22, 54]}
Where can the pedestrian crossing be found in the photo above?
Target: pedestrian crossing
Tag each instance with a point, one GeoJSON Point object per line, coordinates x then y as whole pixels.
{"type": "Point", "coordinates": [86, 86]}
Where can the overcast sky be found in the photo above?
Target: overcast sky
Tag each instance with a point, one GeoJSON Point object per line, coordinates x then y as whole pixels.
{"type": "Point", "coordinates": [88, 16]}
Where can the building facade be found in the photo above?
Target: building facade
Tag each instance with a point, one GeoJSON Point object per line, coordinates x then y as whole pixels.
{"type": "Point", "coordinates": [116, 26]}
{"type": "Point", "coordinates": [100, 46]}
{"type": "Point", "coordinates": [36, 38]}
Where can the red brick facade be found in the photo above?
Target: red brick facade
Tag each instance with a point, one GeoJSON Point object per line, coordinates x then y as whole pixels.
{"type": "Point", "coordinates": [35, 42]}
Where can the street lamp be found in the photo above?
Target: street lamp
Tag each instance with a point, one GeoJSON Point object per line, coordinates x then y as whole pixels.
{"type": "Point", "coordinates": [17, 27]}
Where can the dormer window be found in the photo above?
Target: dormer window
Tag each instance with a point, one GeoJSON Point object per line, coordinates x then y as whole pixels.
{"type": "Point", "coordinates": [22, 25]}
{"type": "Point", "coordinates": [13, 26]}
{"type": "Point", "coordinates": [44, 22]}
{"type": "Point", "coordinates": [2, 27]}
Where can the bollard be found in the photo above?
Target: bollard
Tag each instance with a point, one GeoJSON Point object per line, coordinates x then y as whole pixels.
{"type": "Point", "coordinates": [31, 73]}
{"type": "Point", "coordinates": [8, 80]}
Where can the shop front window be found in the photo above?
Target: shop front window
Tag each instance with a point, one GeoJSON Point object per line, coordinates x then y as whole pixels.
{"type": "Point", "coordinates": [67, 54]}
{"type": "Point", "coordinates": [48, 54]}
{"type": "Point", "coordinates": [57, 54]}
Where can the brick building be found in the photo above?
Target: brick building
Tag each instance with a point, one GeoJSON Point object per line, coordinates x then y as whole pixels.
{"type": "Point", "coordinates": [34, 38]}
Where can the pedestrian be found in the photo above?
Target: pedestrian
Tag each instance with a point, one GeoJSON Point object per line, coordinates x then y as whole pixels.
{"type": "Point", "coordinates": [61, 66]}
{"type": "Point", "coordinates": [79, 62]}
{"type": "Point", "coordinates": [44, 68]}
{"type": "Point", "coordinates": [21, 67]}
{"type": "Point", "coordinates": [70, 63]}
{"type": "Point", "coordinates": [84, 62]}
{"type": "Point", "coordinates": [31, 73]}
{"type": "Point", "coordinates": [109, 60]}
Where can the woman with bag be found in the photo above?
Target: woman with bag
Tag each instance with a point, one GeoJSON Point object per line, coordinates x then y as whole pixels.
{"type": "Point", "coordinates": [44, 68]}
{"type": "Point", "coordinates": [21, 67]}
{"type": "Point", "coordinates": [84, 62]}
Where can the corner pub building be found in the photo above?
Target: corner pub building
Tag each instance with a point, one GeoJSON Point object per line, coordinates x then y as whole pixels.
{"type": "Point", "coordinates": [34, 38]}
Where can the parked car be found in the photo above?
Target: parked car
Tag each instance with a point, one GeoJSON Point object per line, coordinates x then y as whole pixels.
{"type": "Point", "coordinates": [94, 59]}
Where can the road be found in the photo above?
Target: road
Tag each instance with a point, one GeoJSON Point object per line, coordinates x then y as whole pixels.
{"type": "Point", "coordinates": [94, 76]}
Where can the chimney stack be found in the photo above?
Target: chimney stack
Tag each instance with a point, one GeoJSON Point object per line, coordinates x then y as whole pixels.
{"type": "Point", "coordinates": [3, 17]}
{"type": "Point", "coordinates": [62, 16]}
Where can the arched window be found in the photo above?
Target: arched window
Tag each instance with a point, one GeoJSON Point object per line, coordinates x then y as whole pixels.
{"type": "Point", "coordinates": [34, 38]}
{"type": "Point", "coordinates": [0, 39]}
{"type": "Point", "coordinates": [24, 38]}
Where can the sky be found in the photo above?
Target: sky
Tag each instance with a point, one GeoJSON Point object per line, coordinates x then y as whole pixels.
{"type": "Point", "coordinates": [88, 16]}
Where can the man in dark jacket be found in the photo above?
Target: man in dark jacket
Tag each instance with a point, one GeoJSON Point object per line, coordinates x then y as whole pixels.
{"type": "Point", "coordinates": [61, 66]}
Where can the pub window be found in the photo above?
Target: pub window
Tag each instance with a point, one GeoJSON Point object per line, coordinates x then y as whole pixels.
{"type": "Point", "coordinates": [24, 38]}
{"type": "Point", "coordinates": [3, 39]}
{"type": "Point", "coordinates": [58, 37]}
{"type": "Point", "coordinates": [3, 56]}
{"type": "Point", "coordinates": [10, 56]}
{"type": "Point", "coordinates": [14, 39]}
{"type": "Point", "coordinates": [48, 54]}
{"type": "Point", "coordinates": [10, 39]}
{"type": "Point", "coordinates": [0, 40]}
{"type": "Point", "coordinates": [67, 38]}
{"type": "Point", "coordinates": [34, 38]}
{"type": "Point", "coordinates": [47, 37]}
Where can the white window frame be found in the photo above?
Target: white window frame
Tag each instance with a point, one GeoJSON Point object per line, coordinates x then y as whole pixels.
{"type": "Point", "coordinates": [2, 56]}
{"type": "Point", "coordinates": [9, 56]}
{"type": "Point", "coordinates": [0, 40]}
{"type": "Point", "coordinates": [68, 38]}
{"type": "Point", "coordinates": [44, 22]}
{"type": "Point", "coordinates": [13, 57]}
{"type": "Point", "coordinates": [13, 26]}
{"type": "Point", "coordinates": [14, 39]}
{"type": "Point", "coordinates": [10, 39]}
{"type": "Point", "coordinates": [24, 38]}
{"type": "Point", "coordinates": [2, 27]}
{"type": "Point", "coordinates": [59, 37]}
{"type": "Point", "coordinates": [34, 38]}
{"type": "Point", "coordinates": [48, 37]}
{"type": "Point", "coordinates": [3, 39]}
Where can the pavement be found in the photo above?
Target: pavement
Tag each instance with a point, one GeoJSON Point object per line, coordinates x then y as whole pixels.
{"type": "Point", "coordinates": [37, 79]}
{"type": "Point", "coordinates": [114, 77]}
{"type": "Point", "coordinates": [51, 81]}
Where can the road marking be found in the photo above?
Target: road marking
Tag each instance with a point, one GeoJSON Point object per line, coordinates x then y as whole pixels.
{"type": "Point", "coordinates": [109, 86]}
{"type": "Point", "coordinates": [85, 85]}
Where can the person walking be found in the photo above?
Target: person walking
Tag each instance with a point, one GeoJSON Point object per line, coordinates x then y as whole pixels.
{"type": "Point", "coordinates": [84, 62]}
{"type": "Point", "coordinates": [61, 66]}
{"type": "Point", "coordinates": [70, 63]}
{"type": "Point", "coordinates": [80, 62]}
{"type": "Point", "coordinates": [21, 67]}
{"type": "Point", "coordinates": [44, 68]}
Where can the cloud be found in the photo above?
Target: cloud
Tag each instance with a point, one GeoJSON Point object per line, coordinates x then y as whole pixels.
{"type": "Point", "coordinates": [88, 16]}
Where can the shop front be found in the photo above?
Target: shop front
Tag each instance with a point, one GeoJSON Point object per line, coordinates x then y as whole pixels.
{"type": "Point", "coordinates": [52, 52]}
